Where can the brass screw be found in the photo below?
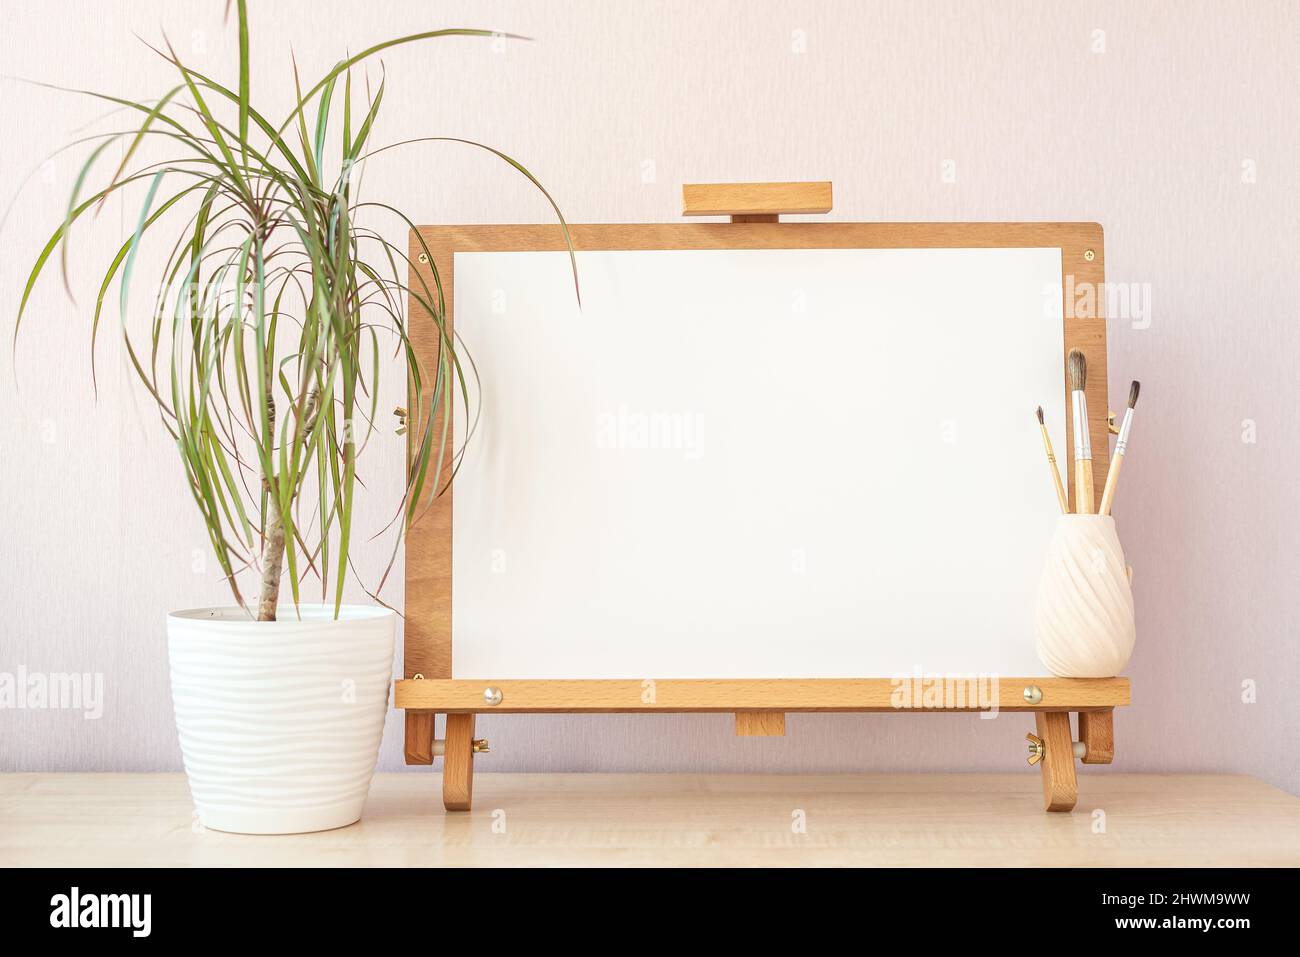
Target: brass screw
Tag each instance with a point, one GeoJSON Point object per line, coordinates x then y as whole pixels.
{"type": "Point", "coordinates": [401, 420]}
{"type": "Point", "coordinates": [480, 746]}
{"type": "Point", "coordinates": [424, 257]}
{"type": "Point", "coordinates": [1036, 748]}
{"type": "Point", "coordinates": [417, 677]}
{"type": "Point", "coordinates": [1110, 424]}
{"type": "Point", "coordinates": [1033, 694]}
{"type": "Point", "coordinates": [1089, 255]}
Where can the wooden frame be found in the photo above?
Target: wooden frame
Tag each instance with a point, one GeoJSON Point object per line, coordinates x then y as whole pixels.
{"type": "Point", "coordinates": [759, 705]}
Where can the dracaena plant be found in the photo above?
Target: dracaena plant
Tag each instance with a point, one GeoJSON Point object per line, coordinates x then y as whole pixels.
{"type": "Point", "coordinates": [275, 307]}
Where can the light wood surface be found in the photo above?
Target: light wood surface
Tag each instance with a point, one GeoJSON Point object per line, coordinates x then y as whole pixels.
{"type": "Point", "coordinates": [729, 694]}
{"type": "Point", "coordinates": [427, 641]}
{"type": "Point", "coordinates": [82, 820]}
{"type": "Point", "coordinates": [755, 199]}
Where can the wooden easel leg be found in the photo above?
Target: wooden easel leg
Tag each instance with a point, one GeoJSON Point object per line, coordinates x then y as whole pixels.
{"type": "Point", "coordinates": [458, 763]}
{"type": "Point", "coordinates": [419, 737]}
{"type": "Point", "coordinates": [1060, 786]}
{"type": "Point", "coordinates": [1097, 732]}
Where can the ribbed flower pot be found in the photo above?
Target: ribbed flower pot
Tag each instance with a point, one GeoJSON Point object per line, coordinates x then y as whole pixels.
{"type": "Point", "coordinates": [280, 722]}
{"type": "Point", "coordinates": [1083, 624]}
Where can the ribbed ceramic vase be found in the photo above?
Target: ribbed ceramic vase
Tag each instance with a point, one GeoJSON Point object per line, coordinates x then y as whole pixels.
{"type": "Point", "coordinates": [280, 722]}
{"type": "Point", "coordinates": [1083, 624]}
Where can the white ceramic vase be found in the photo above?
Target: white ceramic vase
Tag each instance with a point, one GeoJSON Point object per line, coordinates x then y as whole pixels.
{"type": "Point", "coordinates": [280, 722]}
{"type": "Point", "coordinates": [1083, 624]}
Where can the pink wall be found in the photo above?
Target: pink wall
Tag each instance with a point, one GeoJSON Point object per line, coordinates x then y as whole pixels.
{"type": "Point", "coordinates": [1172, 124]}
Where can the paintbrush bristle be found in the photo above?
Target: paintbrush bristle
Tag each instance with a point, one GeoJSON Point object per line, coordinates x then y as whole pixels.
{"type": "Point", "coordinates": [1078, 369]}
{"type": "Point", "coordinates": [1133, 391]}
{"type": "Point", "coordinates": [1040, 415]}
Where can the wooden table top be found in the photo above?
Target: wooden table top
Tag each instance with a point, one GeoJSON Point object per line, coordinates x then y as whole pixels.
{"type": "Point", "coordinates": [678, 820]}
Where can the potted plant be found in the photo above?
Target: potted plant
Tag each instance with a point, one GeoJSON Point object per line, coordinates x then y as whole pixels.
{"type": "Point", "coordinates": [278, 307]}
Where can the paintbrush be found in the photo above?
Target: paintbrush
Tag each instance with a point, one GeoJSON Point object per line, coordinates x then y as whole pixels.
{"type": "Point", "coordinates": [1051, 462]}
{"type": "Point", "coordinates": [1121, 446]}
{"type": "Point", "coordinates": [1078, 371]}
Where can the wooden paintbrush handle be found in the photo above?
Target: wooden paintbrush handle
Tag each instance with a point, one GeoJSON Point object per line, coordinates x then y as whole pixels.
{"type": "Point", "coordinates": [1083, 493]}
{"type": "Point", "coordinates": [1056, 472]}
{"type": "Point", "coordinates": [1084, 502]}
{"type": "Point", "coordinates": [1112, 480]}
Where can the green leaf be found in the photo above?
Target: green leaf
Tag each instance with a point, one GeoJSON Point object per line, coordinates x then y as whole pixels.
{"type": "Point", "coordinates": [261, 346]}
{"type": "Point", "coordinates": [243, 79]}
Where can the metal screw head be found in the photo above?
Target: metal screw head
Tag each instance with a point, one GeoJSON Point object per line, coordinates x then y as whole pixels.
{"type": "Point", "coordinates": [424, 257]}
{"type": "Point", "coordinates": [1089, 255]}
{"type": "Point", "coordinates": [493, 696]}
{"type": "Point", "coordinates": [1033, 694]}
{"type": "Point", "coordinates": [479, 746]}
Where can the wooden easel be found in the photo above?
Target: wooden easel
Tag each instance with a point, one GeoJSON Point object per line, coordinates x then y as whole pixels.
{"type": "Point", "coordinates": [759, 705]}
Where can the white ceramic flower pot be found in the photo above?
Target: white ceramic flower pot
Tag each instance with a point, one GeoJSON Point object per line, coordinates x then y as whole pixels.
{"type": "Point", "coordinates": [1083, 624]}
{"type": "Point", "coordinates": [280, 722]}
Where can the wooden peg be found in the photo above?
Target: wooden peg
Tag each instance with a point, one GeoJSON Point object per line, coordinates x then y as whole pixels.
{"type": "Point", "coordinates": [760, 724]}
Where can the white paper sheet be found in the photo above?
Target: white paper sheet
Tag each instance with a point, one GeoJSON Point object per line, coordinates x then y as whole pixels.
{"type": "Point", "coordinates": [755, 463]}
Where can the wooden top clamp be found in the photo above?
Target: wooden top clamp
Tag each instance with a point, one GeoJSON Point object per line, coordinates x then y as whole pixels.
{"type": "Point", "coordinates": [755, 202]}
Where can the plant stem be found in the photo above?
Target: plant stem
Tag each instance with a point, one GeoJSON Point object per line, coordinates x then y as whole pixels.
{"type": "Point", "coordinates": [272, 559]}
{"type": "Point", "coordinates": [273, 540]}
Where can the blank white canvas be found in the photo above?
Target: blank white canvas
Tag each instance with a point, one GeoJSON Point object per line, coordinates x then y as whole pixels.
{"type": "Point", "coordinates": [755, 463]}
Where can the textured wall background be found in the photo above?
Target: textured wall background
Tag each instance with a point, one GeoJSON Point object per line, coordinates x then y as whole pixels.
{"type": "Point", "coordinates": [1173, 124]}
